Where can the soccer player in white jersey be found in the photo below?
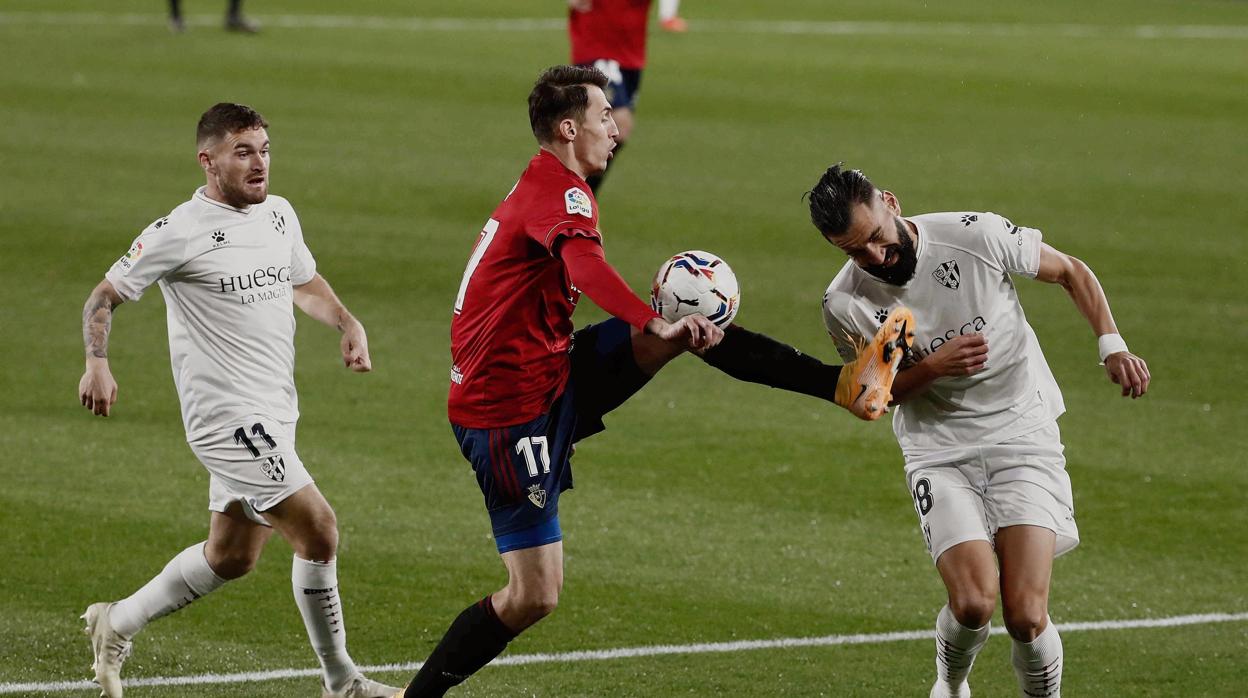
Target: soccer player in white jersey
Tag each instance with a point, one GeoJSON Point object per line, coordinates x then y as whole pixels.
{"type": "Point", "coordinates": [978, 406]}
{"type": "Point", "coordinates": [231, 263]}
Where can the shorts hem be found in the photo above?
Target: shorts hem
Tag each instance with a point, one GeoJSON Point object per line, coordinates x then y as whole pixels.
{"type": "Point", "coordinates": [544, 533]}
{"type": "Point", "coordinates": [937, 552]}
{"type": "Point", "coordinates": [1066, 541]}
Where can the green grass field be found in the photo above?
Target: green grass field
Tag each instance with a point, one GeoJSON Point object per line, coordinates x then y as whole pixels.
{"type": "Point", "coordinates": [711, 511]}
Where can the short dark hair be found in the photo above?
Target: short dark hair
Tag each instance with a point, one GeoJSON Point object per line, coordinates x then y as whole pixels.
{"type": "Point", "coordinates": [833, 199]}
{"type": "Point", "coordinates": [559, 94]}
{"type": "Point", "coordinates": [225, 118]}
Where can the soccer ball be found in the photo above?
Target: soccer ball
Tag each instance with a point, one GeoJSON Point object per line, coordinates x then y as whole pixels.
{"type": "Point", "coordinates": [696, 282]}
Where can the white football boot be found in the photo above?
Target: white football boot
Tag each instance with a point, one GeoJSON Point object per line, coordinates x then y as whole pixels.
{"type": "Point", "coordinates": [109, 648]}
{"type": "Point", "coordinates": [363, 687]}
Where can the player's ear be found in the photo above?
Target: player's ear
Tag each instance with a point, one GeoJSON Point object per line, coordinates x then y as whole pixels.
{"type": "Point", "coordinates": [567, 129]}
{"type": "Point", "coordinates": [891, 201]}
{"type": "Point", "coordinates": [205, 160]}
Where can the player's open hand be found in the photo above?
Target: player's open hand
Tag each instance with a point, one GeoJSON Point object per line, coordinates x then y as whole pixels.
{"type": "Point", "coordinates": [97, 391]}
{"type": "Point", "coordinates": [355, 349]}
{"type": "Point", "coordinates": [694, 331]}
{"type": "Point", "coordinates": [1129, 371]}
{"type": "Point", "coordinates": [964, 355]}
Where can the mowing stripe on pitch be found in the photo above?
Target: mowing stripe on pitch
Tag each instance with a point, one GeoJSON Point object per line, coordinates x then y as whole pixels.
{"type": "Point", "coordinates": [714, 26]}
{"type": "Point", "coordinates": [622, 653]}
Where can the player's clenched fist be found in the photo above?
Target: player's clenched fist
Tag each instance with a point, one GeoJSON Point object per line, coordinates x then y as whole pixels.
{"type": "Point", "coordinates": [1129, 371]}
{"type": "Point", "coordinates": [355, 349]}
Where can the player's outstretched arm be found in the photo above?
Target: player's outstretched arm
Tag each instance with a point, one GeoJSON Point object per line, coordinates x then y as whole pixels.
{"type": "Point", "coordinates": [318, 300]}
{"type": "Point", "coordinates": [589, 271]}
{"type": "Point", "coordinates": [97, 391]}
{"type": "Point", "coordinates": [1122, 367]}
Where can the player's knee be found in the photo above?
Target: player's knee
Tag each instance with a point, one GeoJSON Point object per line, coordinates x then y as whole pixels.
{"type": "Point", "coordinates": [538, 604]}
{"type": "Point", "coordinates": [232, 564]}
{"type": "Point", "coordinates": [319, 539]}
{"type": "Point", "coordinates": [973, 609]}
{"type": "Point", "coordinates": [1025, 618]}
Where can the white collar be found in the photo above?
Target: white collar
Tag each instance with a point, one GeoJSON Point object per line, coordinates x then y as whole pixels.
{"type": "Point", "coordinates": [202, 195]}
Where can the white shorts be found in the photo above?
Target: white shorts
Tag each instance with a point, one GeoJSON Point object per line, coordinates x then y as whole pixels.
{"type": "Point", "coordinates": [252, 462]}
{"type": "Point", "coordinates": [968, 494]}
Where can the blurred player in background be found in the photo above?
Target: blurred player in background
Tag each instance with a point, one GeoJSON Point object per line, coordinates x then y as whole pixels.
{"type": "Point", "coordinates": [525, 387]}
{"type": "Point", "coordinates": [234, 19]}
{"type": "Point", "coordinates": [669, 17]}
{"type": "Point", "coordinates": [610, 35]}
{"type": "Point", "coordinates": [977, 421]}
{"type": "Point", "coordinates": [231, 264]}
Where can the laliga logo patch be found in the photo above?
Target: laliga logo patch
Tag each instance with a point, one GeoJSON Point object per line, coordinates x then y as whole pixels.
{"type": "Point", "coordinates": [947, 274]}
{"type": "Point", "coordinates": [577, 201]}
{"type": "Point", "coordinates": [127, 262]}
{"type": "Point", "coordinates": [537, 495]}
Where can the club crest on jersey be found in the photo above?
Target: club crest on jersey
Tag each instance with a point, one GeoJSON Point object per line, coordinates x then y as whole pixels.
{"type": "Point", "coordinates": [577, 201]}
{"type": "Point", "coordinates": [947, 274]}
{"type": "Point", "coordinates": [279, 221]}
{"type": "Point", "coordinates": [273, 468]}
{"type": "Point", "coordinates": [537, 495]}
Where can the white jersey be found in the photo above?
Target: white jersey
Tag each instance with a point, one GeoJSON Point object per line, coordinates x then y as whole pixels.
{"type": "Point", "coordinates": [961, 285]}
{"type": "Point", "coordinates": [226, 275]}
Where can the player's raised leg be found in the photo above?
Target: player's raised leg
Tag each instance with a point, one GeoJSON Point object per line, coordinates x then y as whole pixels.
{"type": "Point", "coordinates": [482, 631]}
{"type": "Point", "coordinates": [862, 386]}
{"type": "Point", "coordinates": [962, 626]}
{"type": "Point", "coordinates": [308, 523]}
{"type": "Point", "coordinates": [1026, 557]}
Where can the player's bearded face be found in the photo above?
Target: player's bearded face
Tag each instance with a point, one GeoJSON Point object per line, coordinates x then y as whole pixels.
{"type": "Point", "coordinates": [901, 260]}
{"type": "Point", "coordinates": [239, 167]}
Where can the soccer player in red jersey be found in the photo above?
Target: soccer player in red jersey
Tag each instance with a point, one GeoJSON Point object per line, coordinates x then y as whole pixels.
{"type": "Point", "coordinates": [610, 35]}
{"type": "Point", "coordinates": [525, 387]}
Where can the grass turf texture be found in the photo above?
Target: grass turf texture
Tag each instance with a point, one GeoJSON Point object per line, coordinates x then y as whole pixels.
{"type": "Point", "coordinates": [711, 510]}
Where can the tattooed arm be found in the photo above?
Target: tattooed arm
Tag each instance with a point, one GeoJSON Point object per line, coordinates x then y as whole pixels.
{"type": "Point", "coordinates": [97, 390]}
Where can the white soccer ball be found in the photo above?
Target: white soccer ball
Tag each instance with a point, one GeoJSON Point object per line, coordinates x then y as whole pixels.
{"type": "Point", "coordinates": [696, 282]}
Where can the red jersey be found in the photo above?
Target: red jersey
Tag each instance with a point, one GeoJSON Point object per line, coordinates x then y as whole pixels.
{"type": "Point", "coordinates": [513, 316]}
{"type": "Point", "coordinates": [611, 29]}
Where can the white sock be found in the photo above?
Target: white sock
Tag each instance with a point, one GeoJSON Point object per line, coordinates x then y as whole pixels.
{"type": "Point", "coordinates": [956, 647]}
{"type": "Point", "coordinates": [316, 594]}
{"type": "Point", "coordinates": [668, 9]}
{"type": "Point", "coordinates": [186, 578]}
{"type": "Point", "coordinates": [1038, 664]}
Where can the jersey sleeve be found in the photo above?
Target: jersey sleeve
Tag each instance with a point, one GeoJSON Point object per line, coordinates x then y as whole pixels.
{"type": "Point", "coordinates": [302, 263]}
{"type": "Point", "coordinates": [570, 214]}
{"type": "Point", "coordinates": [837, 318]}
{"type": "Point", "coordinates": [1015, 248]}
{"type": "Point", "coordinates": [158, 250]}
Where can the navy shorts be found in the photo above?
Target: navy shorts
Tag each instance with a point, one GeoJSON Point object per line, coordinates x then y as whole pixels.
{"type": "Point", "coordinates": [623, 84]}
{"type": "Point", "coordinates": [523, 469]}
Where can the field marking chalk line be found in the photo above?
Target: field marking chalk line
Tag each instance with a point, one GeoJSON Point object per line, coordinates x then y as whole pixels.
{"type": "Point", "coordinates": [622, 653]}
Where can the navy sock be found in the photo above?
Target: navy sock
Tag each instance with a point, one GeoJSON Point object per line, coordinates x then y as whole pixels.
{"type": "Point", "coordinates": [474, 638]}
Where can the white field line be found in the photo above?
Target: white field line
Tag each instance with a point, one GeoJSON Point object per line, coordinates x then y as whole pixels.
{"type": "Point", "coordinates": [780, 27]}
{"type": "Point", "coordinates": [621, 653]}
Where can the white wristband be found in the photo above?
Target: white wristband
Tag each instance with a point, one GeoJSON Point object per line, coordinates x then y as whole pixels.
{"type": "Point", "coordinates": [1108, 344]}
